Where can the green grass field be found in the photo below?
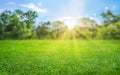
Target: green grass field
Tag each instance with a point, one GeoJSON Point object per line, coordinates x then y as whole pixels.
{"type": "Point", "coordinates": [59, 57]}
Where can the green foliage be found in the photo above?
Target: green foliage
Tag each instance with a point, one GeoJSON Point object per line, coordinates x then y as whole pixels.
{"type": "Point", "coordinates": [110, 18]}
{"type": "Point", "coordinates": [110, 32]}
{"type": "Point", "coordinates": [43, 30]}
{"type": "Point", "coordinates": [87, 29]}
{"type": "Point", "coordinates": [111, 26]}
{"type": "Point", "coordinates": [17, 24]}
{"type": "Point", "coordinates": [58, 29]}
{"type": "Point", "coordinates": [21, 25]}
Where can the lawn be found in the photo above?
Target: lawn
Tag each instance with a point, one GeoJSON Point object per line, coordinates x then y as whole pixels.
{"type": "Point", "coordinates": [59, 57]}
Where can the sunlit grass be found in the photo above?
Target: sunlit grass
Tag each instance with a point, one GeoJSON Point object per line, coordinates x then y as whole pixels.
{"type": "Point", "coordinates": [63, 57]}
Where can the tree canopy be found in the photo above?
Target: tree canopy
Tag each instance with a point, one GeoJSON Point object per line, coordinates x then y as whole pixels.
{"type": "Point", "coordinates": [21, 25]}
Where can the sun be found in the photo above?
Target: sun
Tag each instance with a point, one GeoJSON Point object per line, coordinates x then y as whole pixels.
{"type": "Point", "coordinates": [70, 22]}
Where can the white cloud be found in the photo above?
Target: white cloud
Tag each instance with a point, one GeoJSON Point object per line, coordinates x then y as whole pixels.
{"type": "Point", "coordinates": [69, 21]}
{"type": "Point", "coordinates": [40, 4]}
{"type": "Point", "coordinates": [1, 10]}
{"type": "Point", "coordinates": [72, 21]}
{"type": "Point", "coordinates": [113, 7]}
{"type": "Point", "coordinates": [94, 14]}
{"type": "Point", "coordinates": [106, 8]}
{"type": "Point", "coordinates": [12, 3]}
{"type": "Point", "coordinates": [68, 18]}
{"type": "Point", "coordinates": [34, 7]}
{"type": "Point", "coordinates": [96, 19]}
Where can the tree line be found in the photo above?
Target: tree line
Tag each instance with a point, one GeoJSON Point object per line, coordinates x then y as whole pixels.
{"type": "Point", "coordinates": [21, 25]}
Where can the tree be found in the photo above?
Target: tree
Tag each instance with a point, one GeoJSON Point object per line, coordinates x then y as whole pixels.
{"type": "Point", "coordinates": [43, 30]}
{"type": "Point", "coordinates": [111, 26]}
{"type": "Point", "coordinates": [58, 29]}
{"type": "Point", "coordinates": [17, 24]}
{"type": "Point", "coordinates": [110, 18]}
{"type": "Point", "coordinates": [87, 23]}
{"type": "Point", "coordinates": [87, 28]}
{"type": "Point", "coordinates": [30, 20]}
{"type": "Point", "coordinates": [4, 22]}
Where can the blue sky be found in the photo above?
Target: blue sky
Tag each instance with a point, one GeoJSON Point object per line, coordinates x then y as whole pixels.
{"type": "Point", "coordinates": [63, 9]}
